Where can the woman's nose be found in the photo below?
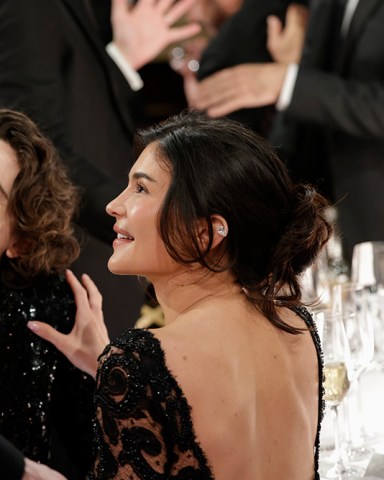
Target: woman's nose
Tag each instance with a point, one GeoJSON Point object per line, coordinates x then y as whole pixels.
{"type": "Point", "coordinates": [115, 208]}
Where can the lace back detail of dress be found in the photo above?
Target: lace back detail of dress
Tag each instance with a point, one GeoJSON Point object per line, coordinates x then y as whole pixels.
{"type": "Point", "coordinates": [144, 428]}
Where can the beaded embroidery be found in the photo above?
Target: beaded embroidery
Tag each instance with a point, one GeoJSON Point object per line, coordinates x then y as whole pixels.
{"type": "Point", "coordinates": [41, 391]}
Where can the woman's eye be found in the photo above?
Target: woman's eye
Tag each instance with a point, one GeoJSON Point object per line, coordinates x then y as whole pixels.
{"type": "Point", "coordinates": [140, 188]}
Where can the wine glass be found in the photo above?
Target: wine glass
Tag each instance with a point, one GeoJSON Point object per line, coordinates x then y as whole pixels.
{"type": "Point", "coordinates": [350, 300]}
{"type": "Point", "coordinates": [368, 270]}
{"type": "Point", "coordinates": [336, 355]}
{"type": "Point", "coordinates": [368, 264]}
{"type": "Point", "coordinates": [329, 269]}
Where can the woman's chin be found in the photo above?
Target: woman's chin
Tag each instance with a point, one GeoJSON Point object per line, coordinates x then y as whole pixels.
{"type": "Point", "coordinates": [117, 269]}
{"type": "Point", "coordinates": [113, 268]}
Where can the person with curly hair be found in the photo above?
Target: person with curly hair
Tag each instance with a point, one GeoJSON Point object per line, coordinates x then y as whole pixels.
{"type": "Point", "coordinates": [45, 402]}
{"type": "Point", "coordinates": [231, 386]}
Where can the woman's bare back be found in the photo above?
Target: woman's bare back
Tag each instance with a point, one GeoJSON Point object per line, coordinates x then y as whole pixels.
{"type": "Point", "coordinates": [253, 389]}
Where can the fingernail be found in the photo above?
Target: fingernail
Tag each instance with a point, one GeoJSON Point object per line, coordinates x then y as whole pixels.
{"type": "Point", "coordinates": [33, 326]}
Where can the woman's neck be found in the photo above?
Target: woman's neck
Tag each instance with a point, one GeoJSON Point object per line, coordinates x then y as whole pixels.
{"type": "Point", "coordinates": [187, 291]}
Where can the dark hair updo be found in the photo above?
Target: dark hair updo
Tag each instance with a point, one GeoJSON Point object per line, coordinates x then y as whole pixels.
{"type": "Point", "coordinates": [275, 228]}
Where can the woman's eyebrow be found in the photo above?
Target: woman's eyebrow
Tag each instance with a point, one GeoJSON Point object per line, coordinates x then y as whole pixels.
{"type": "Point", "coordinates": [138, 175]}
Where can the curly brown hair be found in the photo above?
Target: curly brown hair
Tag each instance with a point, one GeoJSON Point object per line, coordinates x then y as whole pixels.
{"type": "Point", "coordinates": [41, 204]}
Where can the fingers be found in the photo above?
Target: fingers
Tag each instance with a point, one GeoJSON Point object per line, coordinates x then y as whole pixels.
{"type": "Point", "coordinates": [191, 86]}
{"type": "Point", "coordinates": [226, 106]}
{"type": "Point", "coordinates": [242, 86]}
{"type": "Point", "coordinates": [297, 14]}
{"type": "Point", "coordinates": [94, 296]}
{"type": "Point", "coordinates": [177, 34]}
{"type": "Point", "coordinates": [78, 290]}
{"type": "Point", "coordinates": [118, 9]}
{"type": "Point", "coordinates": [214, 89]}
{"type": "Point", "coordinates": [164, 5]}
{"type": "Point", "coordinates": [178, 9]}
{"type": "Point", "coordinates": [274, 34]}
{"type": "Point", "coordinates": [274, 27]}
{"type": "Point", "coordinates": [45, 331]}
{"type": "Point", "coordinates": [86, 293]}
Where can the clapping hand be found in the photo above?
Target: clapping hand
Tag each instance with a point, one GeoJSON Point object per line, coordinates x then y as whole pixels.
{"type": "Point", "coordinates": [252, 85]}
{"type": "Point", "coordinates": [285, 43]}
{"type": "Point", "coordinates": [89, 335]}
{"type": "Point", "coordinates": [243, 86]}
{"type": "Point", "coordinates": [144, 30]}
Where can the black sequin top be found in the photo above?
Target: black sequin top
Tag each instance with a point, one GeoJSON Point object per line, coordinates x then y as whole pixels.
{"type": "Point", "coordinates": [44, 400]}
{"type": "Point", "coordinates": [144, 429]}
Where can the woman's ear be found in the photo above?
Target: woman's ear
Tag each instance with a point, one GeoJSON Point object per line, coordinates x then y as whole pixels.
{"type": "Point", "coordinates": [220, 231]}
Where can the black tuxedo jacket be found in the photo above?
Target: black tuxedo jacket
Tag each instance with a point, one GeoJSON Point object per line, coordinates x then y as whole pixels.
{"type": "Point", "coordinates": [54, 67]}
{"type": "Point", "coordinates": [11, 461]}
{"type": "Point", "coordinates": [336, 116]}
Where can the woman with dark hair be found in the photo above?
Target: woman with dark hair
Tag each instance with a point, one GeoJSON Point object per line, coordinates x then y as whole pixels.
{"type": "Point", "coordinates": [231, 386]}
{"type": "Point", "coordinates": [45, 402]}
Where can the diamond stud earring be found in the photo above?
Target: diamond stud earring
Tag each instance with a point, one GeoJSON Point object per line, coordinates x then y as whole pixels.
{"type": "Point", "coordinates": [221, 230]}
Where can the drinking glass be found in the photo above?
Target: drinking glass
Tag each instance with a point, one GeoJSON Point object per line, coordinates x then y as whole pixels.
{"type": "Point", "coordinates": [336, 355]}
{"type": "Point", "coordinates": [350, 300]}
{"type": "Point", "coordinates": [368, 264]}
{"type": "Point", "coordinates": [368, 270]}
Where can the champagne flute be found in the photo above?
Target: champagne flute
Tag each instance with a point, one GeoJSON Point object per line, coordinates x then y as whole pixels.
{"type": "Point", "coordinates": [336, 355]}
{"type": "Point", "coordinates": [329, 269]}
{"type": "Point", "coordinates": [368, 264]}
{"type": "Point", "coordinates": [368, 270]}
{"type": "Point", "coordinates": [350, 300]}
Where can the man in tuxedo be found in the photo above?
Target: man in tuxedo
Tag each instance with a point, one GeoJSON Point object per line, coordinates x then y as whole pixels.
{"type": "Point", "coordinates": [55, 68]}
{"type": "Point", "coordinates": [242, 38]}
{"type": "Point", "coordinates": [331, 109]}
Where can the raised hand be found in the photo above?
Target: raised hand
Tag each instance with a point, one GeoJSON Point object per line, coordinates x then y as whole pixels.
{"type": "Point", "coordinates": [285, 43]}
{"type": "Point", "coordinates": [242, 86]}
{"type": "Point", "coordinates": [89, 335]}
{"type": "Point", "coordinates": [144, 30]}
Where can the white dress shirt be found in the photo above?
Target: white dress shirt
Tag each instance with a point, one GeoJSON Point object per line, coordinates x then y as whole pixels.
{"type": "Point", "coordinates": [130, 74]}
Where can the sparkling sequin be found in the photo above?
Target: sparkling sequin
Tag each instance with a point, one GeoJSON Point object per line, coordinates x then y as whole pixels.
{"type": "Point", "coordinates": [40, 390]}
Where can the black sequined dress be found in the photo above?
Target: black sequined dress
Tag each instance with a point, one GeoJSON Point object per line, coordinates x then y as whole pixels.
{"type": "Point", "coordinates": [46, 404]}
{"type": "Point", "coordinates": [144, 429]}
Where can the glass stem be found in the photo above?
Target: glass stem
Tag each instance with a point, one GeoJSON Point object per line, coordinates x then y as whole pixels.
{"type": "Point", "coordinates": [359, 400]}
{"type": "Point", "coordinates": [336, 429]}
